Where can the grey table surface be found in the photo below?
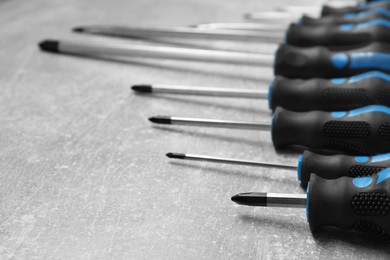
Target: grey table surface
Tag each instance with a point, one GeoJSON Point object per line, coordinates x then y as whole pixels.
{"type": "Point", "coordinates": [83, 173]}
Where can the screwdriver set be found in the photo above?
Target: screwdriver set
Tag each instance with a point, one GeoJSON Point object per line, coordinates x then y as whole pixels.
{"type": "Point", "coordinates": [330, 99]}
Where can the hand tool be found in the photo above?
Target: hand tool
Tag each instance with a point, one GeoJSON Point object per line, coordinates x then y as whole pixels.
{"type": "Point", "coordinates": [99, 49]}
{"type": "Point", "coordinates": [363, 131]}
{"type": "Point", "coordinates": [289, 61]}
{"type": "Point", "coordinates": [361, 204]}
{"type": "Point", "coordinates": [324, 166]}
{"type": "Point", "coordinates": [371, 88]}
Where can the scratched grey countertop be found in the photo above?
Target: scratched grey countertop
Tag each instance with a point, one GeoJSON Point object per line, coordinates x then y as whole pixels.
{"type": "Point", "coordinates": [83, 173]}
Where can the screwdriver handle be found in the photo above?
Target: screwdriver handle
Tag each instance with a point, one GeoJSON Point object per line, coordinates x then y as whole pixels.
{"type": "Point", "coordinates": [363, 131]}
{"type": "Point", "coordinates": [353, 18]}
{"type": "Point", "coordinates": [362, 204]}
{"type": "Point", "coordinates": [328, 10]}
{"type": "Point", "coordinates": [348, 34]}
{"type": "Point", "coordinates": [371, 88]}
{"type": "Point", "coordinates": [336, 166]}
{"type": "Point", "coordinates": [321, 62]}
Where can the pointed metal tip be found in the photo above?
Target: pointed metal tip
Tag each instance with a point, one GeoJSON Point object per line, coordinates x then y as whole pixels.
{"type": "Point", "coordinates": [176, 155]}
{"type": "Point", "coordinates": [235, 198]}
{"type": "Point", "coordinates": [142, 88]}
{"type": "Point", "coordinates": [250, 199]}
{"type": "Point", "coordinates": [161, 120]}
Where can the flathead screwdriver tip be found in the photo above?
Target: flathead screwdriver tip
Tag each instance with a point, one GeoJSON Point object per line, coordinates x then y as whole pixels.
{"type": "Point", "coordinates": [78, 29]}
{"type": "Point", "coordinates": [142, 88]}
{"type": "Point", "coordinates": [161, 120]}
{"type": "Point", "coordinates": [176, 155]}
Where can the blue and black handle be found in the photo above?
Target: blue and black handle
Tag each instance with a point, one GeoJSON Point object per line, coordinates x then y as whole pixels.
{"type": "Point", "coordinates": [349, 34]}
{"type": "Point", "coordinates": [363, 131]}
{"type": "Point", "coordinates": [339, 165]}
{"type": "Point", "coordinates": [322, 62]}
{"type": "Point", "coordinates": [374, 5]}
{"type": "Point", "coordinates": [371, 88]}
{"type": "Point", "coordinates": [349, 18]}
{"type": "Point", "coordinates": [361, 204]}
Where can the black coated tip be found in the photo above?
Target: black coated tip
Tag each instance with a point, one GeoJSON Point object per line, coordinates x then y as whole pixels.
{"type": "Point", "coordinates": [78, 29]}
{"type": "Point", "coordinates": [142, 88]}
{"type": "Point", "coordinates": [49, 45]}
{"type": "Point", "coordinates": [161, 120]}
{"type": "Point", "coordinates": [176, 155]}
{"type": "Point", "coordinates": [251, 199]}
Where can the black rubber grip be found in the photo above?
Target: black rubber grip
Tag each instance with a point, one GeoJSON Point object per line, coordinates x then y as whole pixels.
{"type": "Point", "coordinates": [328, 10]}
{"type": "Point", "coordinates": [322, 62]}
{"type": "Point", "coordinates": [364, 131]}
{"type": "Point", "coordinates": [362, 204]}
{"type": "Point", "coordinates": [372, 88]}
{"type": "Point", "coordinates": [336, 166]}
{"type": "Point", "coordinates": [304, 35]}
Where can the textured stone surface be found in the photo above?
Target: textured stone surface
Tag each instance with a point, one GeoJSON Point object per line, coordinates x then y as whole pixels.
{"type": "Point", "coordinates": [83, 173]}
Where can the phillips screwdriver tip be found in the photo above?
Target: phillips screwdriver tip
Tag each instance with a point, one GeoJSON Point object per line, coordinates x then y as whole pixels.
{"type": "Point", "coordinates": [161, 120]}
{"type": "Point", "coordinates": [176, 155]}
{"type": "Point", "coordinates": [49, 45]}
{"type": "Point", "coordinates": [78, 29]}
{"type": "Point", "coordinates": [142, 88]}
{"type": "Point", "coordinates": [251, 199]}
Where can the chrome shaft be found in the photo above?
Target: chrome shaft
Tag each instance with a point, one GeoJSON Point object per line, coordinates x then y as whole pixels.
{"type": "Point", "coordinates": [181, 32]}
{"type": "Point", "coordinates": [286, 200]}
{"type": "Point", "coordinates": [209, 91]}
{"type": "Point", "coordinates": [126, 49]}
{"type": "Point", "coordinates": [195, 157]}
{"type": "Point", "coordinates": [244, 26]}
{"type": "Point", "coordinates": [219, 123]}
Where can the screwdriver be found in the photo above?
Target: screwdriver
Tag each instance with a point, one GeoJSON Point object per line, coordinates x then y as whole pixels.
{"type": "Point", "coordinates": [300, 35]}
{"type": "Point", "coordinates": [371, 88]}
{"type": "Point", "coordinates": [324, 166]}
{"type": "Point", "coordinates": [348, 203]}
{"type": "Point", "coordinates": [289, 61]}
{"type": "Point", "coordinates": [363, 131]}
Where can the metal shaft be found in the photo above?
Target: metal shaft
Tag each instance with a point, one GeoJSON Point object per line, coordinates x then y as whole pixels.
{"type": "Point", "coordinates": [219, 123]}
{"type": "Point", "coordinates": [244, 26]}
{"type": "Point", "coordinates": [185, 32]}
{"type": "Point", "coordinates": [126, 49]}
{"type": "Point", "coordinates": [195, 157]}
{"type": "Point", "coordinates": [209, 91]}
{"type": "Point", "coordinates": [286, 200]}
{"type": "Point", "coordinates": [301, 10]}
{"type": "Point", "coordinates": [272, 17]}
{"type": "Point", "coordinates": [271, 199]}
